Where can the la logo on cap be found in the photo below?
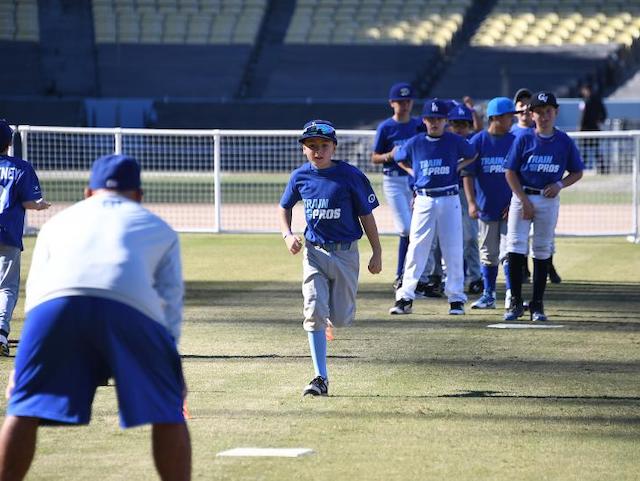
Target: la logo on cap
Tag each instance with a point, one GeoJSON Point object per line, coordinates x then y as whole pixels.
{"type": "Point", "coordinates": [404, 92]}
{"type": "Point", "coordinates": [543, 97]}
{"type": "Point", "coordinates": [434, 107]}
{"type": "Point", "coordinates": [111, 183]}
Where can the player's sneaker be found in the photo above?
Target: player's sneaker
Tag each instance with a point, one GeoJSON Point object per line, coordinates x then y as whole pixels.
{"type": "Point", "coordinates": [536, 310]}
{"type": "Point", "coordinates": [554, 277]}
{"type": "Point", "coordinates": [397, 284]}
{"type": "Point", "coordinates": [456, 308]}
{"type": "Point", "coordinates": [515, 311]}
{"type": "Point", "coordinates": [422, 290]}
{"type": "Point", "coordinates": [402, 306]}
{"type": "Point", "coordinates": [317, 387]}
{"type": "Point", "coordinates": [4, 345]}
{"type": "Point", "coordinates": [487, 301]}
{"type": "Point", "coordinates": [475, 287]}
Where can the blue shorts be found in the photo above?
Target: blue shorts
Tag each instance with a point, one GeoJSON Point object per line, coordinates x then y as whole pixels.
{"type": "Point", "coordinates": [70, 345]}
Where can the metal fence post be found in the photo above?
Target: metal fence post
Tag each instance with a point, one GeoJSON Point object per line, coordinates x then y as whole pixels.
{"type": "Point", "coordinates": [635, 238]}
{"type": "Point", "coordinates": [117, 141]}
{"type": "Point", "coordinates": [217, 193]}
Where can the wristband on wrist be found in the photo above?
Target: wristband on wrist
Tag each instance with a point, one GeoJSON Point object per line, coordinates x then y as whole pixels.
{"type": "Point", "coordinates": [560, 184]}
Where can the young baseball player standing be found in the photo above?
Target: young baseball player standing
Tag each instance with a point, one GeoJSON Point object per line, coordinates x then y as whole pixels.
{"type": "Point", "coordinates": [488, 193]}
{"type": "Point", "coordinates": [396, 182]}
{"type": "Point", "coordinates": [20, 190]}
{"type": "Point", "coordinates": [338, 203]}
{"type": "Point", "coordinates": [535, 167]}
{"type": "Point", "coordinates": [434, 160]}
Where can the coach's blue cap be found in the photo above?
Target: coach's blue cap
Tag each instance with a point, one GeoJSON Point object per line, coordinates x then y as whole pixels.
{"type": "Point", "coordinates": [460, 112]}
{"type": "Point", "coordinates": [542, 99]}
{"type": "Point", "coordinates": [500, 106]}
{"type": "Point", "coordinates": [115, 172]}
{"type": "Point", "coordinates": [401, 91]}
{"type": "Point", "coordinates": [435, 108]}
{"type": "Point", "coordinates": [322, 129]}
{"type": "Point", "coordinates": [6, 133]}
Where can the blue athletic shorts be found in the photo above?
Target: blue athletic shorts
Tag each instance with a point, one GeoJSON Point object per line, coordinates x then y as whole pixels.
{"type": "Point", "coordinates": [70, 345]}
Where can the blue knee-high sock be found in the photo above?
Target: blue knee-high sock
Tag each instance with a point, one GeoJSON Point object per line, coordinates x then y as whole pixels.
{"type": "Point", "coordinates": [507, 281]}
{"type": "Point", "coordinates": [403, 246]}
{"type": "Point", "coordinates": [318, 347]}
{"type": "Point", "coordinates": [489, 276]}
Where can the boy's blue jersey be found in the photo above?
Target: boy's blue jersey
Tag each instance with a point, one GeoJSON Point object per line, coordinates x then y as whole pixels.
{"type": "Point", "coordinates": [333, 200]}
{"type": "Point", "coordinates": [390, 134]}
{"type": "Point", "coordinates": [435, 160]}
{"type": "Point", "coordinates": [518, 131]}
{"type": "Point", "coordinates": [540, 161]}
{"type": "Point", "coordinates": [18, 184]}
{"type": "Point", "coordinates": [492, 190]}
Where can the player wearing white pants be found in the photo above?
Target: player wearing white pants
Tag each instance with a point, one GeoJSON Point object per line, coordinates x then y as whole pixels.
{"type": "Point", "coordinates": [535, 166]}
{"type": "Point", "coordinates": [434, 161]}
{"type": "Point", "coordinates": [399, 195]}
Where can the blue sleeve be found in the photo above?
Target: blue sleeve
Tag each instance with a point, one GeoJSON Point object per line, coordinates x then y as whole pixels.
{"type": "Point", "coordinates": [513, 160]}
{"type": "Point", "coordinates": [467, 151]}
{"type": "Point", "coordinates": [28, 185]}
{"type": "Point", "coordinates": [403, 154]}
{"type": "Point", "coordinates": [291, 194]}
{"type": "Point", "coordinates": [574, 160]}
{"type": "Point", "coordinates": [364, 198]}
{"type": "Point", "coordinates": [380, 141]}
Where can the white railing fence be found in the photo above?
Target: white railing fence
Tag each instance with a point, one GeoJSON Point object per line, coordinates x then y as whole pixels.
{"type": "Point", "coordinates": [231, 180]}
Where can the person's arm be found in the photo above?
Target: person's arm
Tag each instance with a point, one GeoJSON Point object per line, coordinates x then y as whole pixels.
{"type": "Point", "coordinates": [553, 189]}
{"type": "Point", "coordinates": [516, 187]}
{"type": "Point", "coordinates": [371, 230]}
{"type": "Point", "coordinates": [470, 193]}
{"type": "Point", "coordinates": [39, 204]}
{"type": "Point", "coordinates": [406, 168]}
{"type": "Point", "coordinates": [383, 158]}
{"type": "Point", "coordinates": [465, 162]}
{"type": "Point", "coordinates": [478, 124]}
{"type": "Point", "coordinates": [169, 285]}
{"type": "Point", "coordinates": [293, 242]}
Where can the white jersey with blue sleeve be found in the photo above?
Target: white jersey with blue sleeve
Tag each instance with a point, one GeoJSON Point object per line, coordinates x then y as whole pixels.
{"type": "Point", "coordinates": [334, 198]}
{"type": "Point", "coordinates": [110, 247]}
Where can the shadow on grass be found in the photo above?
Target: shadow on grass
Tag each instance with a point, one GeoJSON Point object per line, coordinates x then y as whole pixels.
{"type": "Point", "coordinates": [202, 357]}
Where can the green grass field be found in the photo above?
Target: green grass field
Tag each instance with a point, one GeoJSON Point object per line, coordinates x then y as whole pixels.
{"type": "Point", "coordinates": [420, 397]}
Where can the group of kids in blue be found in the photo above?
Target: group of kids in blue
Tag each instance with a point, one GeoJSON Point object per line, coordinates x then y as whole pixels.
{"type": "Point", "coordinates": [439, 176]}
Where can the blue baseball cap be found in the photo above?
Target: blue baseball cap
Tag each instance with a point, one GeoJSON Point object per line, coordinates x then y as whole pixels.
{"type": "Point", "coordinates": [435, 108]}
{"type": "Point", "coordinates": [6, 134]}
{"type": "Point", "coordinates": [322, 129]}
{"type": "Point", "coordinates": [500, 106]}
{"type": "Point", "coordinates": [401, 91]}
{"type": "Point", "coordinates": [460, 112]}
{"type": "Point", "coordinates": [115, 172]}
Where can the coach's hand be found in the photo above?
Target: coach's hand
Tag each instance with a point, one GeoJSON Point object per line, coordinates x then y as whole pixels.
{"type": "Point", "coordinates": [294, 243]}
{"type": "Point", "coordinates": [375, 263]}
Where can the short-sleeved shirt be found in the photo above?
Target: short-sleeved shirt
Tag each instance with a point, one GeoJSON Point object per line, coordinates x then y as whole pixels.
{"type": "Point", "coordinates": [390, 134]}
{"type": "Point", "coordinates": [492, 190]}
{"type": "Point", "coordinates": [435, 160]}
{"type": "Point", "coordinates": [18, 184]}
{"type": "Point", "coordinates": [540, 161]}
{"type": "Point", "coordinates": [517, 131]}
{"type": "Point", "coordinates": [333, 198]}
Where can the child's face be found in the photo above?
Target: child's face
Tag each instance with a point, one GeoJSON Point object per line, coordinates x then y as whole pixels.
{"type": "Point", "coordinates": [318, 151]}
{"type": "Point", "coordinates": [435, 125]}
{"type": "Point", "coordinates": [524, 117]}
{"type": "Point", "coordinates": [545, 117]}
{"type": "Point", "coordinates": [502, 123]}
{"type": "Point", "coordinates": [401, 107]}
{"type": "Point", "coordinates": [460, 127]}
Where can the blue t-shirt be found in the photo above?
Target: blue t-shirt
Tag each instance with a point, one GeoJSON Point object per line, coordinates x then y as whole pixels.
{"type": "Point", "coordinates": [518, 131]}
{"type": "Point", "coordinates": [435, 160]}
{"type": "Point", "coordinates": [540, 161]}
{"type": "Point", "coordinates": [333, 200]}
{"type": "Point", "coordinates": [18, 184]}
{"type": "Point", "coordinates": [390, 134]}
{"type": "Point", "coordinates": [492, 191]}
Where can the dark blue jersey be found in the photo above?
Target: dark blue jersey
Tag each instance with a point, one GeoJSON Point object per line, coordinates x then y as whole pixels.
{"type": "Point", "coordinates": [518, 131]}
{"type": "Point", "coordinates": [492, 191]}
{"type": "Point", "coordinates": [435, 160]}
{"type": "Point", "coordinates": [333, 199]}
{"type": "Point", "coordinates": [390, 134]}
{"type": "Point", "coordinates": [540, 161]}
{"type": "Point", "coordinates": [18, 184]}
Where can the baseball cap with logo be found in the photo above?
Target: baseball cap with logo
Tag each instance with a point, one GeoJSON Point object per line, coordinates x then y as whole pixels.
{"type": "Point", "coordinates": [401, 91]}
{"type": "Point", "coordinates": [500, 106]}
{"type": "Point", "coordinates": [460, 112]}
{"type": "Point", "coordinates": [6, 134]}
{"type": "Point", "coordinates": [115, 172]}
{"type": "Point", "coordinates": [322, 129]}
{"type": "Point", "coordinates": [542, 99]}
{"type": "Point", "coordinates": [435, 108]}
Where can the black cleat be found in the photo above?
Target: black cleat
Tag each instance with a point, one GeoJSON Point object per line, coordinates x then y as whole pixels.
{"type": "Point", "coordinates": [402, 306]}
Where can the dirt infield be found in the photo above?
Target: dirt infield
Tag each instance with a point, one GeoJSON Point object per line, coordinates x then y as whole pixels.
{"type": "Point", "coordinates": [581, 219]}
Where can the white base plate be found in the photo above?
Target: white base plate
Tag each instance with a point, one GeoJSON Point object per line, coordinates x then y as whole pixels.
{"type": "Point", "coordinates": [504, 325]}
{"type": "Point", "coordinates": [267, 452]}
